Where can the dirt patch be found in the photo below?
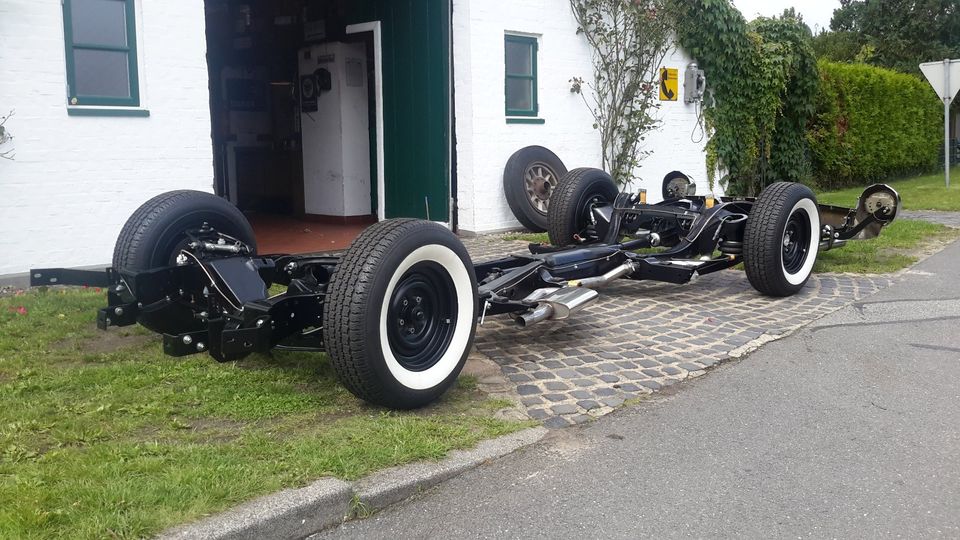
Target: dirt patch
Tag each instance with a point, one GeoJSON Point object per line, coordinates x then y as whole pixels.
{"type": "Point", "coordinates": [931, 246]}
{"type": "Point", "coordinates": [104, 342]}
{"type": "Point", "coordinates": [201, 430]}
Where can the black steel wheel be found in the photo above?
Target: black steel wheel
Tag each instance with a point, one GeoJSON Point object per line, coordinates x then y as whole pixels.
{"type": "Point", "coordinates": [782, 239]}
{"type": "Point", "coordinates": [398, 320]}
{"type": "Point", "coordinates": [156, 232]}
{"type": "Point", "coordinates": [675, 185]}
{"type": "Point", "coordinates": [529, 180]}
{"type": "Point", "coordinates": [422, 316]}
{"type": "Point", "coordinates": [577, 194]}
{"type": "Point", "coordinates": [796, 239]}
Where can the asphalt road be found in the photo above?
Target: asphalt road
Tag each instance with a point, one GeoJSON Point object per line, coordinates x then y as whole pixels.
{"type": "Point", "coordinates": [850, 428]}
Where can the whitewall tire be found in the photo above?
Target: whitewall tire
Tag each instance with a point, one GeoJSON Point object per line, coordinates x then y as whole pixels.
{"type": "Point", "coordinates": [782, 239]}
{"type": "Point", "coordinates": [400, 313]}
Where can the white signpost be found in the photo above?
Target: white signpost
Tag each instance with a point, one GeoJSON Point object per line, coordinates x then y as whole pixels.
{"type": "Point", "coordinates": [945, 78]}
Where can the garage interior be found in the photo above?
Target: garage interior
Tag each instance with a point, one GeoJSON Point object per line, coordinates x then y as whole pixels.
{"type": "Point", "coordinates": [294, 88]}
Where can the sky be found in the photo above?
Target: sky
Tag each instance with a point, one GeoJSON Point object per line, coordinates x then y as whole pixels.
{"type": "Point", "coordinates": [816, 13]}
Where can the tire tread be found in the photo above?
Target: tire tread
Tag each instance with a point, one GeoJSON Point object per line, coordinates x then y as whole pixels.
{"type": "Point", "coordinates": [514, 189]}
{"type": "Point", "coordinates": [562, 215]}
{"type": "Point", "coordinates": [135, 231]}
{"type": "Point", "coordinates": [347, 304]}
{"type": "Point", "coordinates": [762, 237]}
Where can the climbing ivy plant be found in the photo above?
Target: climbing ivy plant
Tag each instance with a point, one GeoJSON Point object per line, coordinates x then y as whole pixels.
{"type": "Point", "coordinates": [763, 82]}
{"type": "Point", "coordinates": [629, 39]}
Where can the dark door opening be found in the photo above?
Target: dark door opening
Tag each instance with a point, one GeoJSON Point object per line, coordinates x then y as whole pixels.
{"type": "Point", "coordinates": [258, 54]}
{"type": "Point", "coordinates": [283, 155]}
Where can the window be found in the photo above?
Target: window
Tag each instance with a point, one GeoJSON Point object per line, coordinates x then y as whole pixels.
{"type": "Point", "coordinates": [101, 43]}
{"type": "Point", "coordinates": [521, 76]}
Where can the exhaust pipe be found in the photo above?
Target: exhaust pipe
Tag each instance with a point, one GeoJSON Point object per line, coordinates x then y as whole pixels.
{"type": "Point", "coordinates": [623, 270]}
{"type": "Point", "coordinates": [540, 314]}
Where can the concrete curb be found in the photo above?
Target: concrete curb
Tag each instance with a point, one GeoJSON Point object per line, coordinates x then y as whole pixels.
{"type": "Point", "coordinates": [394, 485]}
{"type": "Point", "coordinates": [298, 513]}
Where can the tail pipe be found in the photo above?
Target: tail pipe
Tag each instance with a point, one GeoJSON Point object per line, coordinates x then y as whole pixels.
{"type": "Point", "coordinates": [555, 303]}
{"type": "Point", "coordinates": [541, 313]}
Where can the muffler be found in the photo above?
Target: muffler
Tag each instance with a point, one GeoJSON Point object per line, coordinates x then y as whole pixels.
{"type": "Point", "coordinates": [555, 304]}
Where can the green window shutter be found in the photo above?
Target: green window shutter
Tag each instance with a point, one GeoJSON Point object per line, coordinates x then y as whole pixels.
{"type": "Point", "coordinates": [520, 69]}
{"type": "Point", "coordinates": [101, 51]}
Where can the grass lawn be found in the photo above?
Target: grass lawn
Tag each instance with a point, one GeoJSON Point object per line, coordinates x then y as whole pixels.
{"type": "Point", "coordinates": [532, 238]}
{"type": "Point", "coordinates": [101, 435]}
{"type": "Point", "coordinates": [898, 246]}
{"type": "Point", "coordinates": [926, 192]}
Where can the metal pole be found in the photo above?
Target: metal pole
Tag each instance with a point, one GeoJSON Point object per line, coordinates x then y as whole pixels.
{"type": "Point", "coordinates": [946, 119]}
{"type": "Point", "coordinates": [946, 137]}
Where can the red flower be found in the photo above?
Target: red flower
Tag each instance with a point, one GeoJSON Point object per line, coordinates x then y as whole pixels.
{"type": "Point", "coordinates": [21, 310]}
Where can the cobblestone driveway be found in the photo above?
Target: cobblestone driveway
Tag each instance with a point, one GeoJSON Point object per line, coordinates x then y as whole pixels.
{"type": "Point", "coordinates": [639, 336]}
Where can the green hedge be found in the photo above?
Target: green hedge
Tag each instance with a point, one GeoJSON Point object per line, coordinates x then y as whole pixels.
{"type": "Point", "coordinates": [872, 124]}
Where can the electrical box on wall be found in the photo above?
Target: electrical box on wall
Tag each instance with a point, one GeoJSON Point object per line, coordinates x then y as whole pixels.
{"type": "Point", "coordinates": [694, 84]}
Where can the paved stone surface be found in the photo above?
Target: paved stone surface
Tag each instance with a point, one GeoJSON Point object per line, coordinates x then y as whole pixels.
{"type": "Point", "coordinates": [642, 336]}
{"type": "Point", "coordinates": [950, 219]}
{"type": "Point", "coordinates": [846, 429]}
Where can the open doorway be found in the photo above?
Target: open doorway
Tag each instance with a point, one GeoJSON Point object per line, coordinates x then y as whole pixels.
{"type": "Point", "coordinates": [330, 114]}
{"type": "Point", "coordinates": [293, 108]}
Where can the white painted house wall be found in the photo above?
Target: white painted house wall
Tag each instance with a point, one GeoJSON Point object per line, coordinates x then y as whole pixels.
{"type": "Point", "coordinates": [75, 180]}
{"type": "Point", "coordinates": [484, 139]}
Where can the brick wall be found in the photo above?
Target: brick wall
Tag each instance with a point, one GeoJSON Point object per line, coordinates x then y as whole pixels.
{"type": "Point", "coordinates": [76, 179]}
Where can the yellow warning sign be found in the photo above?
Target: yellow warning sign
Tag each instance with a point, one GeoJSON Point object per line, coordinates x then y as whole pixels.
{"type": "Point", "coordinates": [669, 79]}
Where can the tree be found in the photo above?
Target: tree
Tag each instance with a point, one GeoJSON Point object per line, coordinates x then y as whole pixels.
{"type": "Point", "coordinates": [895, 34]}
{"type": "Point", "coordinates": [630, 39]}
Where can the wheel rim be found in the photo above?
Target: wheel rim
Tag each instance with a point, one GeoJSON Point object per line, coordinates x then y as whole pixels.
{"type": "Point", "coordinates": [677, 187]}
{"type": "Point", "coordinates": [174, 252]}
{"type": "Point", "coordinates": [796, 241]}
{"type": "Point", "coordinates": [584, 223]}
{"type": "Point", "coordinates": [422, 316]}
{"type": "Point", "coordinates": [539, 182]}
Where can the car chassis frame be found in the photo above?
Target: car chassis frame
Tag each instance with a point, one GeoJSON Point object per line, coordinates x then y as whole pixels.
{"type": "Point", "coordinates": [215, 298]}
